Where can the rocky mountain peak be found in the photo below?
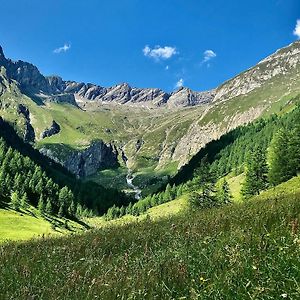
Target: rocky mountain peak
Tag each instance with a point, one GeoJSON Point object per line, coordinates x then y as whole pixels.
{"type": "Point", "coordinates": [3, 61]}
{"type": "Point", "coordinates": [281, 62]}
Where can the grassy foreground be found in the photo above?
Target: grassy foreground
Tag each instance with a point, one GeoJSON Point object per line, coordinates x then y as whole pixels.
{"type": "Point", "coordinates": [243, 251]}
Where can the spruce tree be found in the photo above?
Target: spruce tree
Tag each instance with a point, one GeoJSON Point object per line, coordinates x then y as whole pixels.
{"type": "Point", "coordinates": [168, 193]}
{"type": "Point", "coordinates": [41, 204]}
{"type": "Point", "coordinates": [256, 178]}
{"type": "Point", "coordinates": [61, 211]}
{"type": "Point", "coordinates": [202, 187]}
{"type": "Point", "coordinates": [122, 211]}
{"type": "Point", "coordinates": [294, 150]}
{"type": "Point", "coordinates": [48, 208]}
{"type": "Point", "coordinates": [79, 210]}
{"type": "Point", "coordinates": [72, 209]}
{"type": "Point", "coordinates": [15, 200]}
{"type": "Point", "coordinates": [24, 201]}
{"type": "Point", "coordinates": [223, 192]}
{"type": "Point", "coordinates": [278, 157]}
{"type": "Point", "coordinates": [128, 209]}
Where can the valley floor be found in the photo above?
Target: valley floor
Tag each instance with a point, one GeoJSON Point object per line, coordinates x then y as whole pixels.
{"type": "Point", "coordinates": [247, 250]}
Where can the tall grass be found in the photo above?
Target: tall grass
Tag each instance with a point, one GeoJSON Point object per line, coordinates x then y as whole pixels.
{"type": "Point", "coordinates": [242, 251]}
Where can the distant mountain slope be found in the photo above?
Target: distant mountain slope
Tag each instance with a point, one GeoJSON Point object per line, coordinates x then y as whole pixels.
{"type": "Point", "coordinates": [153, 131]}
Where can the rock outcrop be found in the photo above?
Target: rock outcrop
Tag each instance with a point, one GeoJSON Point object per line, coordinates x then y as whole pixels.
{"type": "Point", "coordinates": [186, 97]}
{"type": "Point", "coordinates": [98, 156]}
{"type": "Point", "coordinates": [279, 63]}
{"type": "Point", "coordinates": [52, 130]}
{"type": "Point", "coordinates": [29, 134]}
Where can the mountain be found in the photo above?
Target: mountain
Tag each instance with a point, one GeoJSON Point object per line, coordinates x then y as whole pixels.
{"type": "Point", "coordinates": [149, 131]}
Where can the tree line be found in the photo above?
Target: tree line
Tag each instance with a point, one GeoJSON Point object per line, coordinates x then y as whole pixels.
{"type": "Point", "coordinates": [267, 151]}
{"type": "Point", "coordinates": [93, 199]}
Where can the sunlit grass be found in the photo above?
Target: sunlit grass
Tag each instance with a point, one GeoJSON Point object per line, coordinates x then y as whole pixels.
{"type": "Point", "coordinates": [246, 250]}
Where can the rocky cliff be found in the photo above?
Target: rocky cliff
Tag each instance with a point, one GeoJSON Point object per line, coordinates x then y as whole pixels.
{"type": "Point", "coordinates": [87, 162]}
{"type": "Point", "coordinates": [280, 63]}
{"type": "Point", "coordinates": [52, 130]}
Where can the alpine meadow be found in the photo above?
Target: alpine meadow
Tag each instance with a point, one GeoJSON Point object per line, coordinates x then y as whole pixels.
{"type": "Point", "coordinates": [163, 162]}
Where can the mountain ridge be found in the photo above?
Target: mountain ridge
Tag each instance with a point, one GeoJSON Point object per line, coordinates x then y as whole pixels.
{"type": "Point", "coordinates": [169, 130]}
{"type": "Point", "coordinates": [54, 88]}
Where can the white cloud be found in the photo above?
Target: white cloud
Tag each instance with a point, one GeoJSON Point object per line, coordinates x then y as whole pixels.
{"type": "Point", "coordinates": [167, 68]}
{"type": "Point", "coordinates": [64, 48]}
{"type": "Point", "coordinates": [158, 52]}
{"type": "Point", "coordinates": [179, 83]}
{"type": "Point", "coordinates": [208, 55]}
{"type": "Point", "coordinates": [297, 29]}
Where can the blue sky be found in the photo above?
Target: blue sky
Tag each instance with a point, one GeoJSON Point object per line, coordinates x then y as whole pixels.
{"type": "Point", "coordinates": [164, 44]}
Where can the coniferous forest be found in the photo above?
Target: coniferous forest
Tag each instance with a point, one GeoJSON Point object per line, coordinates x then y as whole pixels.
{"type": "Point", "coordinates": [28, 177]}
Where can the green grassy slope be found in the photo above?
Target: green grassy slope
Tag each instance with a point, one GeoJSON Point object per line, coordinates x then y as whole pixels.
{"type": "Point", "coordinates": [18, 226]}
{"type": "Point", "coordinates": [241, 251]}
{"type": "Point", "coordinates": [159, 128]}
{"type": "Point", "coordinates": [27, 224]}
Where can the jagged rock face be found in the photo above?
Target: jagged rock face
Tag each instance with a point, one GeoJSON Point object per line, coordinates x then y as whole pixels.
{"type": "Point", "coordinates": [87, 162]}
{"type": "Point", "coordinates": [279, 63]}
{"type": "Point", "coordinates": [52, 130]}
{"type": "Point", "coordinates": [186, 97]}
{"type": "Point", "coordinates": [122, 94]}
{"type": "Point", "coordinates": [98, 156]}
{"type": "Point", "coordinates": [55, 89]}
{"type": "Point", "coordinates": [29, 134]}
{"type": "Point", "coordinates": [31, 82]}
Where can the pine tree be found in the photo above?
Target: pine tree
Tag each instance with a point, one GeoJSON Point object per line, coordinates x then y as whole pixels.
{"type": "Point", "coordinates": [167, 194]}
{"type": "Point", "coordinates": [256, 178]}
{"type": "Point", "coordinates": [61, 211]}
{"type": "Point", "coordinates": [223, 192]}
{"type": "Point", "coordinates": [294, 150]}
{"type": "Point", "coordinates": [179, 191]}
{"type": "Point", "coordinates": [202, 187]}
{"type": "Point", "coordinates": [128, 209]}
{"type": "Point", "coordinates": [48, 208]}
{"type": "Point", "coordinates": [15, 200]}
{"type": "Point", "coordinates": [63, 196]}
{"type": "Point", "coordinates": [41, 204]}
{"type": "Point", "coordinates": [122, 211]}
{"type": "Point", "coordinates": [24, 201]}
{"type": "Point", "coordinates": [72, 209]}
{"type": "Point", "coordinates": [278, 158]}
{"type": "Point", "coordinates": [79, 210]}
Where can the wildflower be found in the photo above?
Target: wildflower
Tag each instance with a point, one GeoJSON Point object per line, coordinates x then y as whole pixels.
{"type": "Point", "coordinates": [254, 267]}
{"type": "Point", "coordinates": [202, 279]}
{"type": "Point", "coordinates": [284, 295]}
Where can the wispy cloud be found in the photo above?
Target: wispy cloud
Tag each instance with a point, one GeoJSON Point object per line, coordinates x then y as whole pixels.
{"type": "Point", "coordinates": [208, 55]}
{"type": "Point", "coordinates": [64, 48]}
{"type": "Point", "coordinates": [179, 83]}
{"type": "Point", "coordinates": [297, 29]}
{"type": "Point", "coordinates": [159, 52]}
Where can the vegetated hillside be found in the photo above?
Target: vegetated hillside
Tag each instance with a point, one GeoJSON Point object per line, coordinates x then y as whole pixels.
{"type": "Point", "coordinates": [264, 153]}
{"type": "Point", "coordinates": [151, 137]}
{"type": "Point", "coordinates": [230, 152]}
{"type": "Point", "coordinates": [241, 251]}
{"type": "Point", "coordinates": [27, 173]}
